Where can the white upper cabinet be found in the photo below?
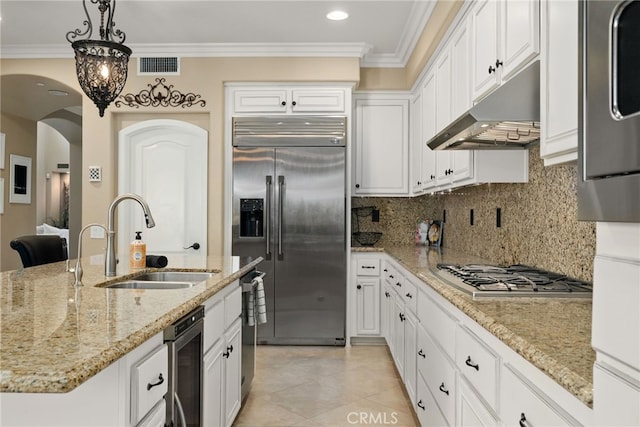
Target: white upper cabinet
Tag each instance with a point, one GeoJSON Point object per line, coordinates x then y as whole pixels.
{"type": "Point", "coordinates": [290, 100]}
{"type": "Point", "coordinates": [461, 70]}
{"type": "Point", "coordinates": [559, 81]}
{"type": "Point", "coordinates": [428, 125]}
{"type": "Point", "coordinates": [505, 36]}
{"type": "Point", "coordinates": [381, 144]}
{"type": "Point", "coordinates": [443, 90]}
{"type": "Point", "coordinates": [416, 143]}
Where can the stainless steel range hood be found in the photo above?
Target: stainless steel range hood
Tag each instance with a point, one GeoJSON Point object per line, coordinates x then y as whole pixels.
{"type": "Point", "coordinates": [507, 118]}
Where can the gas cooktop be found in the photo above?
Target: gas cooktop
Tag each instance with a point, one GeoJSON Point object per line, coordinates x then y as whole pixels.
{"type": "Point", "coordinates": [484, 280]}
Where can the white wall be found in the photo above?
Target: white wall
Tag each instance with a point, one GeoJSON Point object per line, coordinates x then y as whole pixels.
{"type": "Point", "coordinates": [52, 148]}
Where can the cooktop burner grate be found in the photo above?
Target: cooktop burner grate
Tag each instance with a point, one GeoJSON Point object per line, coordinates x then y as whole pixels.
{"type": "Point", "coordinates": [514, 280]}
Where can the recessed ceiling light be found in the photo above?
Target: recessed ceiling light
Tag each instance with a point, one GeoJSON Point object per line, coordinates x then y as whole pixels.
{"type": "Point", "coordinates": [337, 15]}
{"type": "Point", "coordinates": [58, 92]}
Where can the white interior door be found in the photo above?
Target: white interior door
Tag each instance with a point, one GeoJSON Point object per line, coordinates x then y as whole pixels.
{"type": "Point", "coordinates": [165, 162]}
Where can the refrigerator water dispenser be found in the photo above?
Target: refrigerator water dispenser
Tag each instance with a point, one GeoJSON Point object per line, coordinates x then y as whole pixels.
{"type": "Point", "coordinates": [251, 217]}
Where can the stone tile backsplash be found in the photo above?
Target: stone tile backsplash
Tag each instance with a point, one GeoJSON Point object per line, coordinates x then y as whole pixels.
{"type": "Point", "coordinates": [539, 225]}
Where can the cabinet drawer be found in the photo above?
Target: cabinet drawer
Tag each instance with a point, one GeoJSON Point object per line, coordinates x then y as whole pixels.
{"type": "Point", "coordinates": [409, 293]}
{"type": "Point", "coordinates": [368, 267]}
{"type": "Point", "coordinates": [145, 394]}
{"type": "Point", "coordinates": [213, 324]}
{"type": "Point", "coordinates": [426, 408]}
{"type": "Point", "coordinates": [521, 403]}
{"type": "Point", "coordinates": [478, 364]}
{"type": "Point", "coordinates": [616, 398]}
{"type": "Point", "coordinates": [233, 305]}
{"type": "Point", "coordinates": [439, 325]}
{"type": "Point", "coordinates": [157, 416]}
{"type": "Point", "coordinates": [440, 377]}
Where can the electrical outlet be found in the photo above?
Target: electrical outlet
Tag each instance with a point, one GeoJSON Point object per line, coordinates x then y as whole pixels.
{"type": "Point", "coordinates": [97, 232]}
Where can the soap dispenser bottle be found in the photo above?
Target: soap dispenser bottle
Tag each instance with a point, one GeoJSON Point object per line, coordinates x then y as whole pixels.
{"type": "Point", "coordinates": [137, 252]}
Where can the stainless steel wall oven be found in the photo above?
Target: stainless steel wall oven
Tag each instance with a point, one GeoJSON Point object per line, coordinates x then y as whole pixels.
{"type": "Point", "coordinates": [609, 129]}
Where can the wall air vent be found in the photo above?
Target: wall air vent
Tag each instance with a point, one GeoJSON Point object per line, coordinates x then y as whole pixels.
{"type": "Point", "coordinates": [156, 65]}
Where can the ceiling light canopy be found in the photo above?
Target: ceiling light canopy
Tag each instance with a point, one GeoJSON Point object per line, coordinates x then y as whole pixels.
{"type": "Point", "coordinates": [337, 15]}
{"type": "Point", "coordinates": [101, 65]}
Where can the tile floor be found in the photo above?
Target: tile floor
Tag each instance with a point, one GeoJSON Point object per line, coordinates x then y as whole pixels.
{"type": "Point", "coordinates": [325, 386]}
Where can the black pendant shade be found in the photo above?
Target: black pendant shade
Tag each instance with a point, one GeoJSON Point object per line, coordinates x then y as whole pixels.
{"type": "Point", "coordinates": [101, 65]}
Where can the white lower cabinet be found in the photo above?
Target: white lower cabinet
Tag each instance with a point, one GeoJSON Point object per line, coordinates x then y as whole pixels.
{"type": "Point", "coordinates": [478, 364]}
{"type": "Point", "coordinates": [232, 371]}
{"type": "Point", "coordinates": [212, 381]}
{"type": "Point", "coordinates": [524, 404]}
{"type": "Point", "coordinates": [222, 361]}
{"type": "Point", "coordinates": [473, 413]}
{"type": "Point", "coordinates": [617, 397]}
{"type": "Point", "coordinates": [458, 374]}
{"type": "Point", "coordinates": [156, 417]}
{"type": "Point", "coordinates": [439, 375]}
{"type": "Point", "coordinates": [426, 408]}
{"type": "Point", "coordinates": [365, 295]}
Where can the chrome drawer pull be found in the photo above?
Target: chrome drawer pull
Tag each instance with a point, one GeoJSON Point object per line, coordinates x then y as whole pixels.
{"type": "Point", "coordinates": [160, 381]}
{"type": "Point", "coordinates": [421, 405]}
{"type": "Point", "coordinates": [368, 266]}
{"type": "Point", "coordinates": [471, 364]}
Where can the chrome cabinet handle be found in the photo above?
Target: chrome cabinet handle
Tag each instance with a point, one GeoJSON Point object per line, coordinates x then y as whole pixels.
{"type": "Point", "coordinates": [444, 390]}
{"type": "Point", "coordinates": [421, 354]}
{"type": "Point", "coordinates": [280, 212]}
{"type": "Point", "coordinates": [267, 224]}
{"type": "Point", "coordinates": [152, 385]}
{"type": "Point", "coordinates": [470, 363]}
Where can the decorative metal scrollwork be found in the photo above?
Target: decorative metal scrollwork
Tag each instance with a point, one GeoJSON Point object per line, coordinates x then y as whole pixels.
{"type": "Point", "coordinates": [160, 95]}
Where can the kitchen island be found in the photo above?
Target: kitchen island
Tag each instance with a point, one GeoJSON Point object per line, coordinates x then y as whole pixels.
{"type": "Point", "coordinates": [54, 337]}
{"type": "Point", "coordinates": [552, 334]}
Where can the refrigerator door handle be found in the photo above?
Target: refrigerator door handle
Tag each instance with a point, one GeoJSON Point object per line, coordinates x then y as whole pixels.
{"type": "Point", "coordinates": [280, 211]}
{"type": "Point", "coordinates": [267, 222]}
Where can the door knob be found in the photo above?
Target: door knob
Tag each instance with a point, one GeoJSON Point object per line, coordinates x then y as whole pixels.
{"type": "Point", "coordinates": [195, 246]}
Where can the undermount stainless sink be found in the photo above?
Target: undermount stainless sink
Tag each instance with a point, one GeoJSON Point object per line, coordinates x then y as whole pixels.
{"type": "Point", "coordinates": [174, 276]}
{"type": "Point", "coordinates": [163, 280]}
{"type": "Point", "coordinates": [148, 284]}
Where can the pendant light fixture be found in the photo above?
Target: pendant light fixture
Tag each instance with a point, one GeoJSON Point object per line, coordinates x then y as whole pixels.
{"type": "Point", "coordinates": [101, 65]}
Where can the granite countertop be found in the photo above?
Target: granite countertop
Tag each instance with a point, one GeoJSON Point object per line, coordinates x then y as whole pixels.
{"type": "Point", "coordinates": [53, 336]}
{"type": "Point", "coordinates": [553, 334]}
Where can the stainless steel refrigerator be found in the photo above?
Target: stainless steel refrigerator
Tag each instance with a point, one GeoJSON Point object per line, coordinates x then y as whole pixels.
{"type": "Point", "coordinates": [289, 203]}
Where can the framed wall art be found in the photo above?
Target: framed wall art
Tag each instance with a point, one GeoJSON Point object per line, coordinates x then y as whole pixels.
{"type": "Point", "coordinates": [20, 179]}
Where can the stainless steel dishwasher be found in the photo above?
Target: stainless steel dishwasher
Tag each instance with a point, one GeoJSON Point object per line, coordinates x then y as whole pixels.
{"type": "Point", "coordinates": [184, 339]}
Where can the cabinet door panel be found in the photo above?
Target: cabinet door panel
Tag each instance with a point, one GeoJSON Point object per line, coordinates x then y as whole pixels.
{"type": "Point", "coordinates": [260, 101]}
{"type": "Point", "coordinates": [521, 404]}
{"type": "Point", "coordinates": [368, 306]}
{"type": "Point", "coordinates": [232, 372]}
{"type": "Point", "coordinates": [307, 101]}
{"type": "Point", "coordinates": [484, 50]}
{"type": "Point", "coordinates": [213, 386]}
{"type": "Point", "coordinates": [429, 104]}
{"type": "Point", "coordinates": [520, 38]}
{"type": "Point", "coordinates": [478, 364]}
{"type": "Point", "coordinates": [382, 143]}
{"type": "Point", "coordinates": [410, 349]}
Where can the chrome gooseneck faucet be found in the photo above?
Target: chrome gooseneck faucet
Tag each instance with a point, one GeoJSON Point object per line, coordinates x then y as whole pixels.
{"type": "Point", "coordinates": [110, 262]}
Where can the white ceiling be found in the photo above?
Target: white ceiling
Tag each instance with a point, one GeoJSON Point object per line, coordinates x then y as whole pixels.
{"type": "Point", "coordinates": [381, 33]}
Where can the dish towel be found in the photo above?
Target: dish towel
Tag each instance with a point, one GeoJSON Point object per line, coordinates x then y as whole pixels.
{"type": "Point", "coordinates": [251, 303]}
{"type": "Point", "coordinates": [261, 308]}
